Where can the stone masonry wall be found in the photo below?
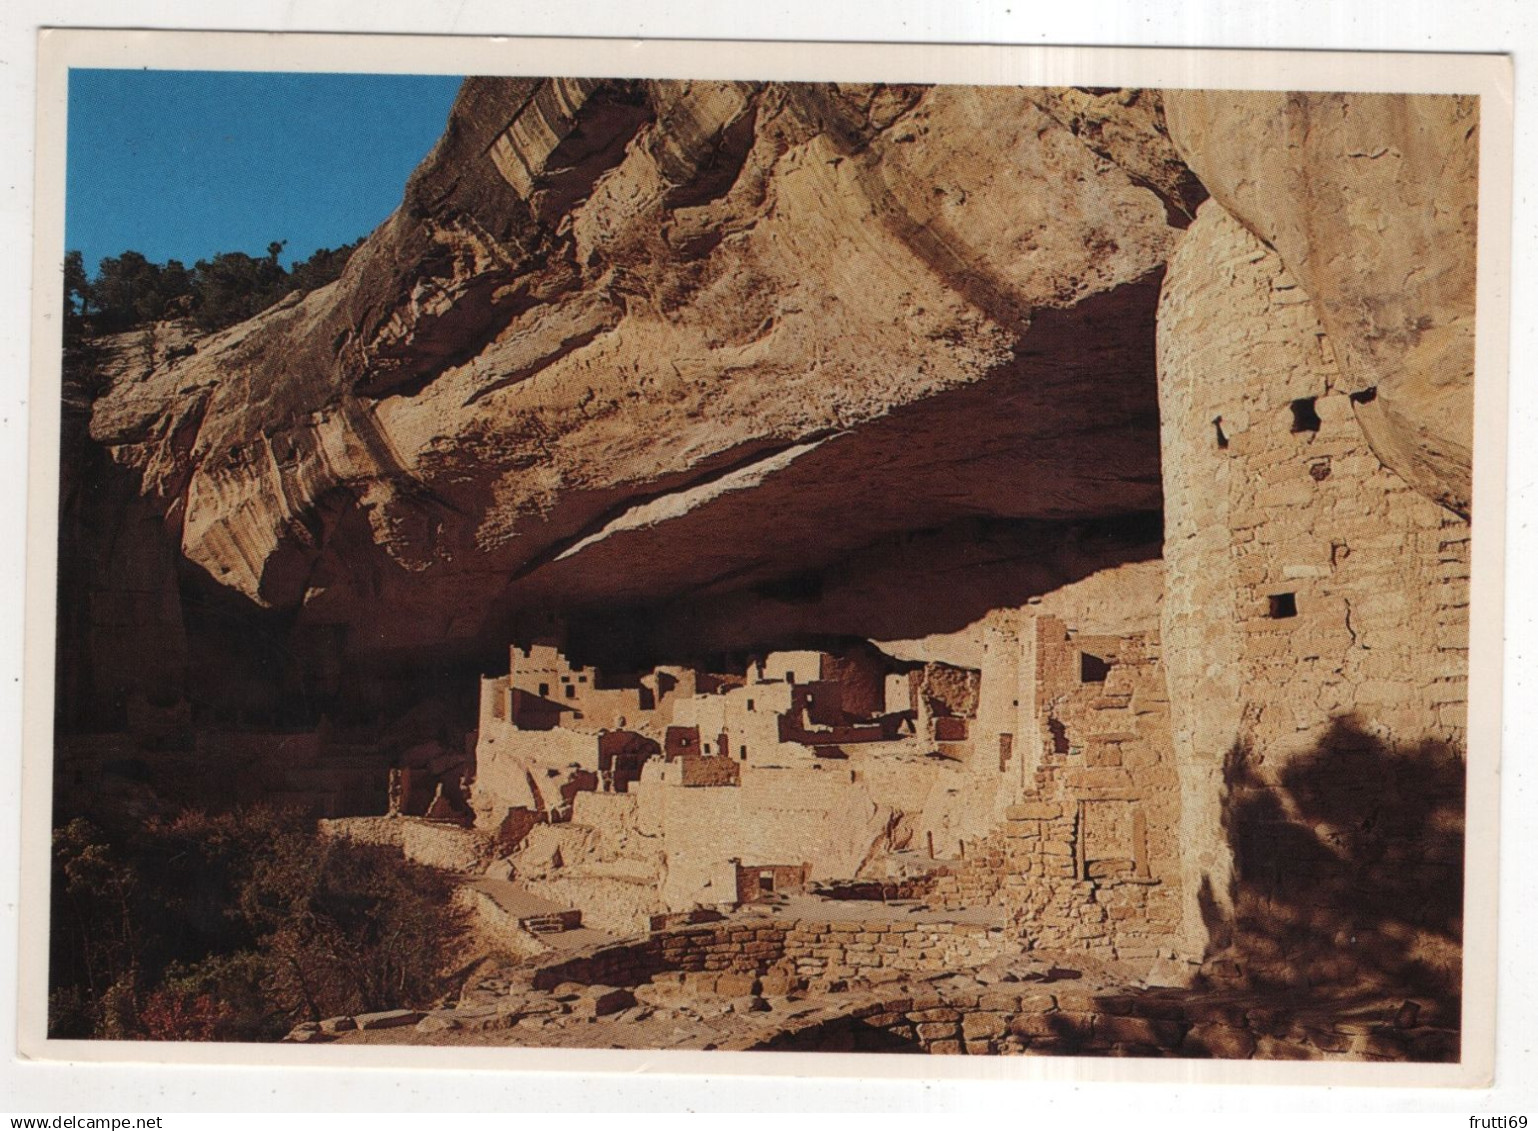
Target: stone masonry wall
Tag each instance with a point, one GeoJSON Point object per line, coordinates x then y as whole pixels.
{"type": "Point", "coordinates": [1054, 1021]}
{"type": "Point", "coordinates": [1316, 636]}
{"type": "Point", "coordinates": [822, 953]}
{"type": "Point", "coordinates": [1089, 861]}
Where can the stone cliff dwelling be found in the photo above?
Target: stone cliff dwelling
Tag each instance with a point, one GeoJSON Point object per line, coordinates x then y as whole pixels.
{"type": "Point", "coordinates": [684, 790]}
{"type": "Point", "coordinates": [965, 570]}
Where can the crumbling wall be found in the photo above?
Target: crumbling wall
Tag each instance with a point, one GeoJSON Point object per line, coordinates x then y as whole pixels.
{"type": "Point", "coordinates": [1316, 635]}
{"type": "Point", "coordinates": [432, 844]}
{"type": "Point", "coordinates": [447, 847]}
{"type": "Point", "coordinates": [793, 816]}
{"type": "Point", "coordinates": [700, 771]}
{"type": "Point", "coordinates": [810, 951]}
{"type": "Point", "coordinates": [519, 769]}
{"type": "Point", "coordinates": [1087, 860]}
{"type": "Point", "coordinates": [759, 880]}
{"type": "Point", "coordinates": [602, 861]}
{"type": "Point", "coordinates": [1056, 1021]}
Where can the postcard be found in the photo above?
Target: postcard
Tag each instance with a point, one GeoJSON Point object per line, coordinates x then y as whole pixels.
{"type": "Point", "coordinates": [764, 558]}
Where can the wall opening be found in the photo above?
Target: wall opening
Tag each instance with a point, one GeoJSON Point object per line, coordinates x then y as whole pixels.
{"type": "Point", "coordinates": [1092, 668]}
{"type": "Point", "coordinates": [1283, 605]}
{"type": "Point", "coordinates": [1305, 416]}
{"type": "Point", "coordinates": [1365, 396]}
{"type": "Point", "coordinates": [1217, 424]}
{"type": "Point", "coordinates": [1060, 744]}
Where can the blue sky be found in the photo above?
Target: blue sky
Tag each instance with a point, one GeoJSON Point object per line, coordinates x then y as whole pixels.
{"type": "Point", "coordinates": [184, 164]}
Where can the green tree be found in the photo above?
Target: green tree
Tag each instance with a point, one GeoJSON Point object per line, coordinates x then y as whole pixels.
{"type": "Point", "coordinates": [129, 290]}
{"type": "Point", "coordinates": [325, 266]}
{"type": "Point", "coordinates": [233, 286]}
{"type": "Point", "coordinates": [77, 291]}
{"type": "Point", "coordinates": [77, 285]}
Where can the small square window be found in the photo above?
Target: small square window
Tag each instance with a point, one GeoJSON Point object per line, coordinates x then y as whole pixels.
{"type": "Point", "coordinates": [1282, 605]}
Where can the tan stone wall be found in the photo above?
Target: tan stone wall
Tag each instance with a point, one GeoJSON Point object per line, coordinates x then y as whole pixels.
{"type": "Point", "coordinates": [1315, 620]}
{"type": "Point", "coordinates": [1054, 1021]}
{"type": "Point", "coordinates": [609, 866]}
{"type": "Point", "coordinates": [444, 846]}
{"type": "Point", "coordinates": [387, 832]}
{"type": "Point", "coordinates": [621, 904]}
{"type": "Point", "coordinates": [809, 951]}
{"type": "Point", "coordinates": [432, 844]}
{"type": "Point", "coordinates": [793, 815]}
{"type": "Point", "coordinates": [697, 771]}
{"type": "Point", "coordinates": [493, 926]}
{"type": "Point", "coordinates": [512, 769]}
{"type": "Point", "coordinates": [1088, 860]}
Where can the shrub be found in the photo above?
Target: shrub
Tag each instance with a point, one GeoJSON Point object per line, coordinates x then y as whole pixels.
{"type": "Point", "coordinates": [234, 926]}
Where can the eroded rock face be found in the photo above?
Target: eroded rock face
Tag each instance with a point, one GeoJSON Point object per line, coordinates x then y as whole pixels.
{"type": "Point", "coordinates": [1371, 200]}
{"type": "Point", "coordinates": [626, 340]}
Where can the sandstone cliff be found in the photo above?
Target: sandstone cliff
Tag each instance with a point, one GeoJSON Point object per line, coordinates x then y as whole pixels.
{"type": "Point", "coordinates": [629, 340]}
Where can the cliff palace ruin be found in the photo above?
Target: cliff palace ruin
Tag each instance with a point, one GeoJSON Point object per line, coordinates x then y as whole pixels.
{"type": "Point", "coordinates": [949, 569]}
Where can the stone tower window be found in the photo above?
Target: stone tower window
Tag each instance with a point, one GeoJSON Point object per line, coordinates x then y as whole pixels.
{"type": "Point", "coordinates": [1283, 605]}
{"type": "Point", "coordinates": [1305, 417]}
{"type": "Point", "coordinates": [1217, 425]}
{"type": "Point", "coordinates": [1092, 668]}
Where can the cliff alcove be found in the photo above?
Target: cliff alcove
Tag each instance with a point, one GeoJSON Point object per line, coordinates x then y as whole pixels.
{"type": "Point", "coordinates": [1004, 420]}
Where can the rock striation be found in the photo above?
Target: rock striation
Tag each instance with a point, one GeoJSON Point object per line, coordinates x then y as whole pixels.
{"type": "Point", "coordinates": [597, 330]}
